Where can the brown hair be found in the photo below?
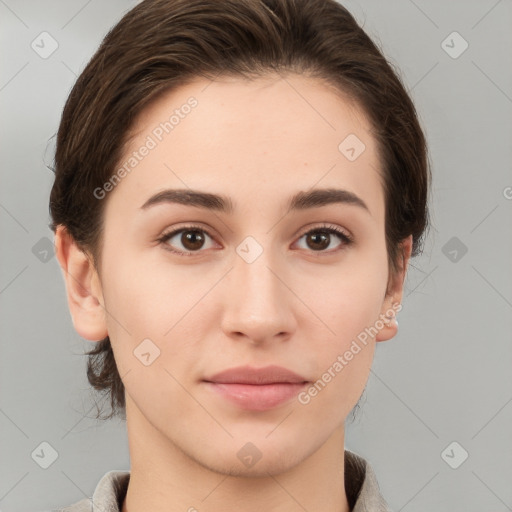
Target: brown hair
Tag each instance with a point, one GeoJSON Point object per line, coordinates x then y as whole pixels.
{"type": "Point", "coordinates": [161, 44]}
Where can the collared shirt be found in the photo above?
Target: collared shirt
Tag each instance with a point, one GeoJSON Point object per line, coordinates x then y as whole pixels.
{"type": "Point", "coordinates": [361, 488]}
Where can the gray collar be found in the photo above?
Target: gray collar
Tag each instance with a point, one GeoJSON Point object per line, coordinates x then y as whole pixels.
{"type": "Point", "coordinates": [361, 487]}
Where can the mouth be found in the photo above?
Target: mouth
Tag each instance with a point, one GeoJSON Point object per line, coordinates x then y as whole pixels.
{"type": "Point", "coordinates": [256, 389]}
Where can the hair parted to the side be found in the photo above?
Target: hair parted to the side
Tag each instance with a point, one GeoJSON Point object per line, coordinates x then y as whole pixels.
{"type": "Point", "coordinates": [161, 44]}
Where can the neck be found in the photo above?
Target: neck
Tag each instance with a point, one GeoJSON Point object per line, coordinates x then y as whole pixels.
{"type": "Point", "coordinates": [164, 478]}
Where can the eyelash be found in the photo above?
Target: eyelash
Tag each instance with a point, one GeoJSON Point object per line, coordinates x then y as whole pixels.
{"type": "Point", "coordinates": [327, 229]}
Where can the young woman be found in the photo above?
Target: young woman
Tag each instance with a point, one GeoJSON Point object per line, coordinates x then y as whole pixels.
{"type": "Point", "coordinates": [239, 188]}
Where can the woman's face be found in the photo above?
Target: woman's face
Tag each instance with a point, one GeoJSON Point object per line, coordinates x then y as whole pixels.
{"type": "Point", "coordinates": [257, 283]}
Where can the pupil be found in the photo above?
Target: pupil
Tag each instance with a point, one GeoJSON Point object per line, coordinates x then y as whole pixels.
{"type": "Point", "coordinates": [325, 237]}
{"type": "Point", "coordinates": [192, 239]}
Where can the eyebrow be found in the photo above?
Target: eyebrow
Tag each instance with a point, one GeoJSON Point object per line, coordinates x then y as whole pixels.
{"type": "Point", "coordinates": [301, 201]}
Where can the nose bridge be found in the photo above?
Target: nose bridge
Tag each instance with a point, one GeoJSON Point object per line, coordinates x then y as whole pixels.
{"type": "Point", "coordinates": [258, 286]}
{"type": "Point", "coordinates": [258, 304]}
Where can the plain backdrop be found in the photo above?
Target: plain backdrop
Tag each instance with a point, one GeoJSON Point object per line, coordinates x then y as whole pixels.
{"type": "Point", "coordinates": [435, 419]}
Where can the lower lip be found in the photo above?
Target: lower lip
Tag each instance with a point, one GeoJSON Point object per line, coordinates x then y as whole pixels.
{"type": "Point", "coordinates": [254, 397]}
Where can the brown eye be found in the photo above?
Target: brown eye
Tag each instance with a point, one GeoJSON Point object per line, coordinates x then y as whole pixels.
{"type": "Point", "coordinates": [319, 239]}
{"type": "Point", "coordinates": [186, 241]}
{"type": "Point", "coordinates": [192, 240]}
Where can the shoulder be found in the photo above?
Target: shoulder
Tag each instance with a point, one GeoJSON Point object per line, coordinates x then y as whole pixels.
{"type": "Point", "coordinates": [107, 497]}
{"type": "Point", "coordinates": [361, 486]}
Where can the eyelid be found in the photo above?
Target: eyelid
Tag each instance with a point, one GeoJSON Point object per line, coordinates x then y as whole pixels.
{"type": "Point", "coordinates": [344, 235]}
{"type": "Point", "coordinates": [327, 227]}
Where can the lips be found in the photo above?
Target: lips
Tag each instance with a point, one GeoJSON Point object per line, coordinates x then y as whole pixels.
{"type": "Point", "coordinates": [256, 389]}
{"type": "Point", "coordinates": [248, 375]}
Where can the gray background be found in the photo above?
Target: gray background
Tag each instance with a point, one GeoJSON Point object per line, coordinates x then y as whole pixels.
{"type": "Point", "coordinates": [446, 376]}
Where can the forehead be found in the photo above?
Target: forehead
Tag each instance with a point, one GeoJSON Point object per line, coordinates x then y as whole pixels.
{"type": "Point", "coordinates": [244, 138]}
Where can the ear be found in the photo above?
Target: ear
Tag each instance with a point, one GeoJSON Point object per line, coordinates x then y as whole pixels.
{"type": "Point", "coordinates": [83, 287]}
{"type": "Point", "coordinates": [393, 298]}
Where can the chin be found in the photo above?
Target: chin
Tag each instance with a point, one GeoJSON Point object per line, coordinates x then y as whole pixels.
{"type": "Point", "coordinates": [272, 465]}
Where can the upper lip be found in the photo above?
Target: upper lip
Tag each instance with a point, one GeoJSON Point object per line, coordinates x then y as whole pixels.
{"type": "Point", "coordinates": [249, 375]}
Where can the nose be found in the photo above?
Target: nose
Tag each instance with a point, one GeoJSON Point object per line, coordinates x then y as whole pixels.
{"type": "Point", "coordinates": [258, 304]}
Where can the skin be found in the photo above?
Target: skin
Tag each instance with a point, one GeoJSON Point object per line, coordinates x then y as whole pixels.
{"type": "Point", "coordinates": [258, 142]}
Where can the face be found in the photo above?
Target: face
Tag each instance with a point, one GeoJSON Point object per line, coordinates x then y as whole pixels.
{"type": "Point", "coordinates": [249, 278]}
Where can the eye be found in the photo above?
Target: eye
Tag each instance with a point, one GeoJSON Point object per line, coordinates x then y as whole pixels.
{"type": "Point", "coordinates": [193, 238]}
{"type": "Point", "coordinates": [320, 238]}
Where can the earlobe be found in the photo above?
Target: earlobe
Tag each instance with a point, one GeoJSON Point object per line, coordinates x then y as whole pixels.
{"type": "Point", "coordinates": [392, 303]}
{"type": "Point", "coordinates": [389, 323]}
{"type": "Point", "coordinates": [83, 287]}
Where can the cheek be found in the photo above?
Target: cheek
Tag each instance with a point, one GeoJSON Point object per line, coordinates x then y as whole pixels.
{"type": "Point", "coordinates": [349, 305]}
{"type": "Point", "coordinates": [343, 359]}
{"type": "Point", "coordinates": [149, 336]}
{"type": "Point", "coordinates": [156, 303]}
{"type": "Point", "coordinates": [348, 299]}
{"type": "Point", "coordinates": [148, 298]}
